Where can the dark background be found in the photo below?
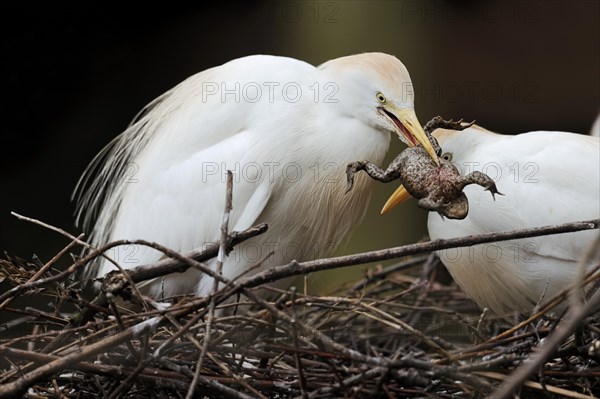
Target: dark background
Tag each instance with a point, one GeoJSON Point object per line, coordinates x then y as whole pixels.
{"type": "Point", "coordinates": [73, 77]}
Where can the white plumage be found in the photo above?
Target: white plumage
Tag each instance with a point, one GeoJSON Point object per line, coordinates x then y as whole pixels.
{"type": "Point", "coordinates": [595, 130]}
{"type": "Point", "coordinates": [286, 129]}
{"type": "Point", "coordinates": [547, 178]}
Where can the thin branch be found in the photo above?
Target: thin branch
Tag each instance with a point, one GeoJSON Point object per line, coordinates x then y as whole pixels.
{"type": "Point", "coordinates": [53, 228]}
{"type": "Point", "coordinates": [167, 266]}
{"type": "Point", "coordinates": [219, 267]}
{"type": "Point", "coordinates": [297, 360]}
{"type": "Point", "coordinates": [295, 268]}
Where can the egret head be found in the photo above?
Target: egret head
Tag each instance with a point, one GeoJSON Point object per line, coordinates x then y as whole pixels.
{"type": "Point", "coordinates": [379, 87]}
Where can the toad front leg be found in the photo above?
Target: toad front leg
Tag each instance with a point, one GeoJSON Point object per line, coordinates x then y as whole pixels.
{"type": "Point", "coordinates": [439, 122]}
{"type": "Point", "coordinates": [375, 172]}
{"type": "Point", "coordinates": [430, 205]}
{"type": "Point", "coordinates": [480, 179]}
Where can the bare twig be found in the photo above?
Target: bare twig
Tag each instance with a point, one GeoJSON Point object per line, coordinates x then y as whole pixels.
{"type": "Point", "coordinates": [53, 228]}
{"type": "Point", "coordinates": [297, 360]}
{"type": "Point", "coordinates": [219, 266]}
{"type": "Point", "coordinates": [295, 268]}
{"type": "Point", "coordinates": [172, 265]}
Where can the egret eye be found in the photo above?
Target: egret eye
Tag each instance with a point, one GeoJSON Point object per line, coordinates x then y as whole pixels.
{"type": "Point", "coordinates": [380, 97]}
{"type": "Point", "coordinates": [447, 156]}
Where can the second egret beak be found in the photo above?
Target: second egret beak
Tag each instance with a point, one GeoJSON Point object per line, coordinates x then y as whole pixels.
{"type": "Point", "coordinates": [398, 197]}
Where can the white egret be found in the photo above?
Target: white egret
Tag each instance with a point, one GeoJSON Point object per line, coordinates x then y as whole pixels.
{"type": "Point", "coordinates": [285, 128]}
{"type": "Point", "coordinates": [547, 178]}
{"type": "Point", "coordinates": [595, 130]}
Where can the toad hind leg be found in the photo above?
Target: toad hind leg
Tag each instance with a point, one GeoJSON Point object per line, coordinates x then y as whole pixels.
{"type": "Point", "coordinates": [480, 179]}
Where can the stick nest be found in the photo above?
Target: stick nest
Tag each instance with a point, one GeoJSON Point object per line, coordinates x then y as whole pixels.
{"type": "Point", "coordinates": [397, 332]}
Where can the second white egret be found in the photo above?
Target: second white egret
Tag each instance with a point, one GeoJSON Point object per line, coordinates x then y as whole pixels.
{"type": "Point", "coordinates": [547, 178]}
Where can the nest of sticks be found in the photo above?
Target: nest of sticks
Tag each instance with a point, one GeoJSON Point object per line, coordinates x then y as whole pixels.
{"type": "Point", "coordinates": [396, 332]}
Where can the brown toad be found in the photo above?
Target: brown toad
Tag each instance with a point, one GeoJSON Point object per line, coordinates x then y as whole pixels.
{"type": "Point", "coordinates": [437, 188]}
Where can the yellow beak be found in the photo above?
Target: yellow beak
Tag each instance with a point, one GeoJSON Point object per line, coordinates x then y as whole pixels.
{"type": "Point", "coordinates": [398, 197]}
{"type": "Point", "coordinates": [409, 127]}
